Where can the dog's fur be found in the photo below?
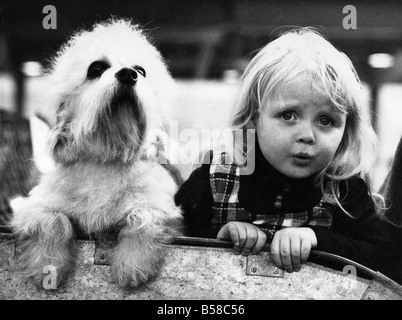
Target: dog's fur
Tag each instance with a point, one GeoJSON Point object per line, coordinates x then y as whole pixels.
{"type": "Point", "coordinates": [105, 140]}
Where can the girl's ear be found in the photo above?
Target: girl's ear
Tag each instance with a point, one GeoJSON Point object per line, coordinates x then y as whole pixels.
{"type": "Point", "coordinates": [252, 124]}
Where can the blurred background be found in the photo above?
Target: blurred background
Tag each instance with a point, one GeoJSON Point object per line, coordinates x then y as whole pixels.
{"type": "Point", "coordinates": [207, 44]}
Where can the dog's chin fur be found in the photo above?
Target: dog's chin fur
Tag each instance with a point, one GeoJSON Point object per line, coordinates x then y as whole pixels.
{"type": "Point", "coordinates": [105, 176]}
{"type": "Point", "coordinates": [118, 133]}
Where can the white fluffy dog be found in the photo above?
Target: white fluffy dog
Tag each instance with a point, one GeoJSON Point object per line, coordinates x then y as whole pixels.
{"type": "Point", "coordinates": [111, 89]}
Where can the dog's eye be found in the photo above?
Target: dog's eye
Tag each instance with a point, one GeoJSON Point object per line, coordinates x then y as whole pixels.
{"type": "Point", "coordinates": [96, 69]}
{"type": "Point", "coordinates": [140, 70]}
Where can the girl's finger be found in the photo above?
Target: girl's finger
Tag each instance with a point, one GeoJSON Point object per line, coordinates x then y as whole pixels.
{"type": "Point", "coordinates": [275, 254]}
{"type": "Point", "coordinates": [261, 240]}
{"type": "Point", "coordinates": [285, 254]}
{"type": "Point", "coordinates": [295, 249]}
{"type": "Point", "coordinates": [305, 249]}
{"type": "Point", "coordinates": [230, 231]}
{"type": "Point", "coordinates": [251, 239]}
{"type": "Point", "coordinates": [242, 238]}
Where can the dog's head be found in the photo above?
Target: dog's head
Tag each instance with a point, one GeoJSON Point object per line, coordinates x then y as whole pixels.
{"type": "Point", "coordinates": [111, 91]}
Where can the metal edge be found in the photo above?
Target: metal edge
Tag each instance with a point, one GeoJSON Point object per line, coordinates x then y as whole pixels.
{"type": "Point", "coordinates": [382, 288]}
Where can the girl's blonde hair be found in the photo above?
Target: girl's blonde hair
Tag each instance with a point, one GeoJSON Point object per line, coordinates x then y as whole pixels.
{"type": "Point", "coordinates": [304, 54]}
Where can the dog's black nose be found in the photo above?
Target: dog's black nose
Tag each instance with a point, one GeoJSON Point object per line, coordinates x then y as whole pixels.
{"type": "Point", "coordinates": [127, 76]}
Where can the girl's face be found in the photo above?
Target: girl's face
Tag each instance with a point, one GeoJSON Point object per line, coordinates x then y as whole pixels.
{"type": "Point", "coordinates": [300, 133]}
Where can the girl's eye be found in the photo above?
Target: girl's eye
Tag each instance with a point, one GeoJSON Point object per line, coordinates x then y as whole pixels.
{"type": "Point", "coordinates": [140, 70]}
{"type": "Point", "coordinates": [326, 122]}
{"type": "Point", "coordinates": [287, 116]}
{"type": "Point", "coordinates": [96, 69]}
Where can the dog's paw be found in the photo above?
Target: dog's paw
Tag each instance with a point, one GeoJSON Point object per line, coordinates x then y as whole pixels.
{"type": "Point", "coordinates": [133, 264]}
{"type": "Point", "coordinates": [132, 276]}
{"type": "Point", "coordinates": [46, 263]}
{"type": "Point", "coordinates": [44, 275]}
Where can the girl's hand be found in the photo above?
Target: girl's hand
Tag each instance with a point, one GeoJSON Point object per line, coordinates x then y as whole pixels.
{"type": "Point", "coordinates": [246, 237]}
{"type": "Point", "coordinates": [291, 247]}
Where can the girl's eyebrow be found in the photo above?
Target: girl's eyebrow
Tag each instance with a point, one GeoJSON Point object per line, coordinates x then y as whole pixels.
{"type": "Point", "coordinates": [283, 102]}
{"type": "Point", "coordinates": [330, 107]}
{"type": "Point", "coordinates": [294, 104]}
{"type": "Point", "coordinates": [291, 103]}
{"type": "Point", "coordinates": [327, 106]}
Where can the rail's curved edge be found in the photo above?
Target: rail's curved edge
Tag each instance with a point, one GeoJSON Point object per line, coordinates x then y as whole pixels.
{"type": "Point", "coordinates": [217, 243]}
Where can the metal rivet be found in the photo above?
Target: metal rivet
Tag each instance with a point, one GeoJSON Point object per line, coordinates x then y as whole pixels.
{"type": "Point", "coordinates": [102, 257]}
{"type": "Point", "coordinates": [253, 269]}
{"type": "Point", "coordinates": [276, 270]}
{"type": "Point", "coordinates": [369, 297]}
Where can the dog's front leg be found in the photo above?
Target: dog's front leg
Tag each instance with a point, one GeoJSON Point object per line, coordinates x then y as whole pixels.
{"type": "Point", "coordinates": [45, 238]}
{"type": "Point", "coordinates": [137, 255]}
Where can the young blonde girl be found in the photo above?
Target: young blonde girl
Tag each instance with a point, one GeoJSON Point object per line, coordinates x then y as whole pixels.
{"type": "Point", "coordinates": [313, 150]}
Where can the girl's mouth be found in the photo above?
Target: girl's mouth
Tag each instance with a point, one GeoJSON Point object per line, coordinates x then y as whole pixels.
{"type": "Point", "coordinates": [302, 159]}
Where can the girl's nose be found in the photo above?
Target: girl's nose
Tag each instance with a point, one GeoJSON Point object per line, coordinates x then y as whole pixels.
{"type": "Point", "coordinates": [306, 135]}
